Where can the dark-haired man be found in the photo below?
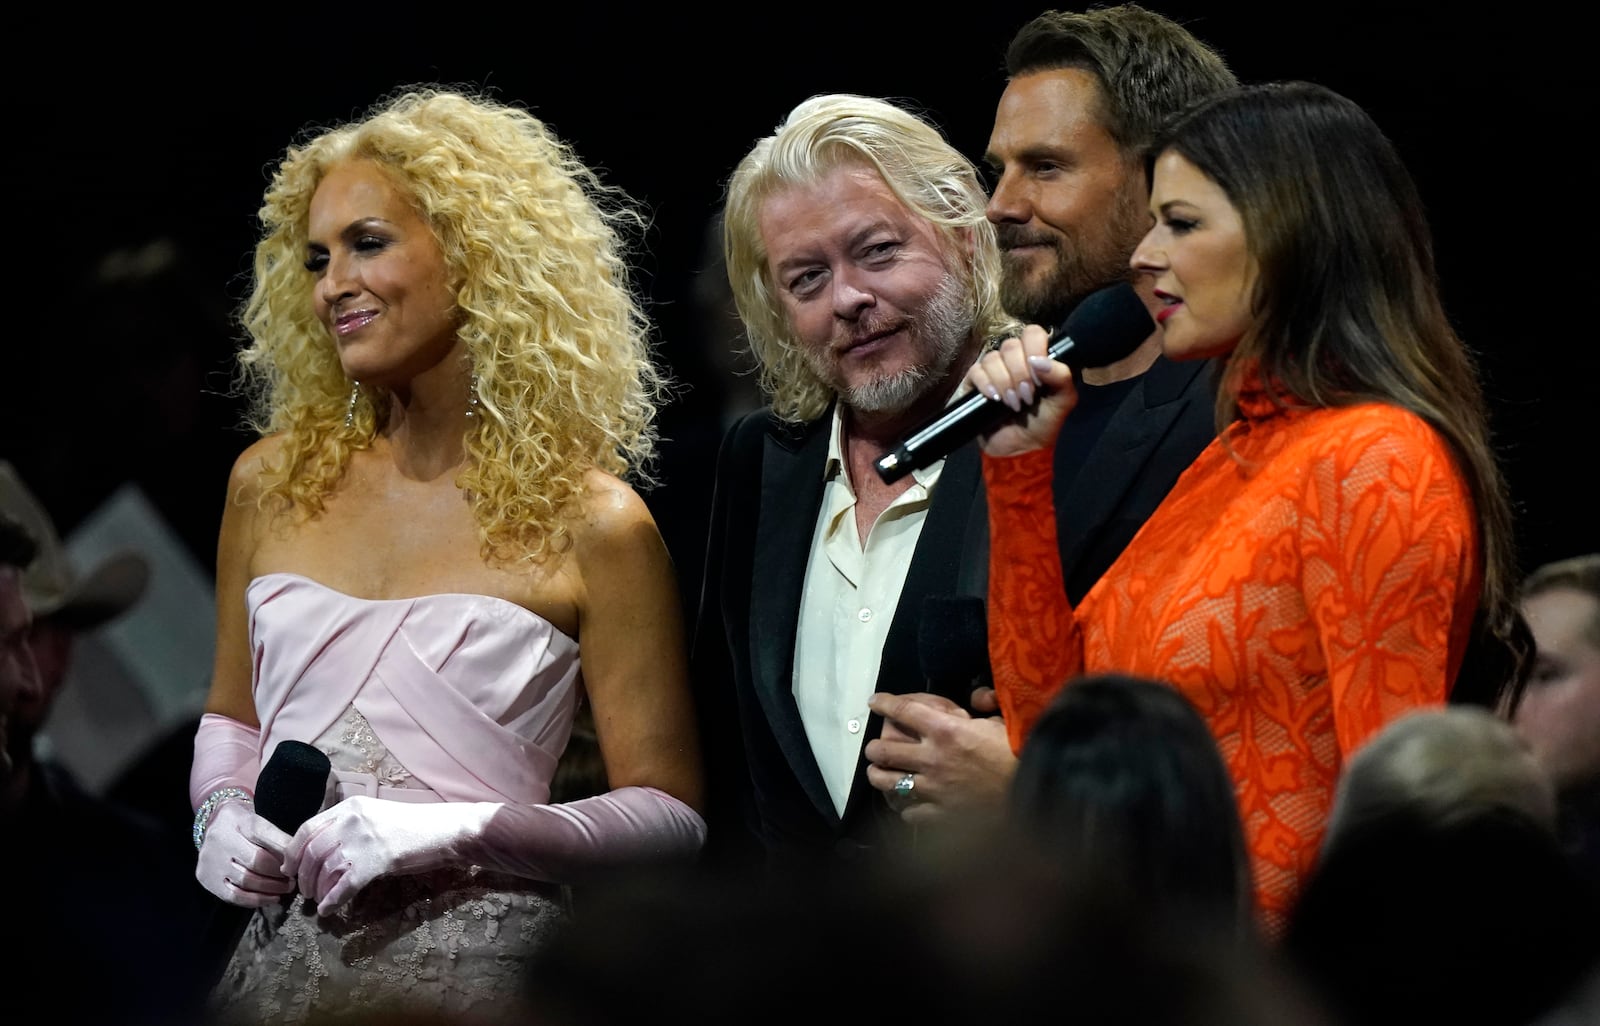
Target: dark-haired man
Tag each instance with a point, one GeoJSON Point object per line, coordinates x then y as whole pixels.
{"type": "Point", "coordinates": [1085, 92]}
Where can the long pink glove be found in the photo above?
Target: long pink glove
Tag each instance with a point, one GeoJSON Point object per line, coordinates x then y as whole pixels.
{"type": "Point", "coordinates": [226, 754]}
{"type": "Point", "coordinates": [241, 855]}
{"type": "Point", "coordinates": [340, 850]}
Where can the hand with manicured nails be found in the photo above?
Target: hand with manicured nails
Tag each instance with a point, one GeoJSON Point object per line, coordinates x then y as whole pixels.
{"type": "Point", "coordinates": [1017, 373]}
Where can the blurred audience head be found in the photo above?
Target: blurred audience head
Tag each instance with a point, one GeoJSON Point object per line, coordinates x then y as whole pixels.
{"type": "Point", "coordinates": [1559, 711]}
{"type": "Point", "coordinates": [1440, 764]}
{"type": "Point", "coordinates": [1442, 893]}
{"type": "Point", "coordinates": [993, 933]}
{"type": "Point", "coordinates": [1122, 775]}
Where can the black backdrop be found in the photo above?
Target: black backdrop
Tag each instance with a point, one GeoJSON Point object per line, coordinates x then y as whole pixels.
{"type": "Point", "coordinates": [154, 134]}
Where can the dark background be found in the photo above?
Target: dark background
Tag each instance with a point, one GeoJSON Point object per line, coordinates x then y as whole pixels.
{"type": "Point", "coordinates": [155, 136]}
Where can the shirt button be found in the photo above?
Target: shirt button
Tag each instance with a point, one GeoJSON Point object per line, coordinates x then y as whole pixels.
{"type": "Point", "coordinates": [854, 726]}
{"type": "Point", "coordinates": [864, 614]}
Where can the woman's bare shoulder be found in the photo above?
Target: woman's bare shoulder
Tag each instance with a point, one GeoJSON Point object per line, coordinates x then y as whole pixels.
{"type": "Point", "coordinates": [610, 503]}
{"type": "Point", "coordinates": [614, 522]}
{"type": "Point", "coordinates": [251, 469]}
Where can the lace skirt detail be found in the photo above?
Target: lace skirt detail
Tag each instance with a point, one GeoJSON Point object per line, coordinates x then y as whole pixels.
{"type": "Point", "coordinates": [453, 941]}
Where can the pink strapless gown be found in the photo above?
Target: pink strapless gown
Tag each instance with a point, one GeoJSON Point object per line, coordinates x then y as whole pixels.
{"type": "Point", "coordinates": [449, 697]}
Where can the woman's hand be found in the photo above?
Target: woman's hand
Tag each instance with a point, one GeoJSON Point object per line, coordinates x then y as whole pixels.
{"type": "Point", "coordinates": [338, 852]}
{"type": "Point", "coordinates": [241, 857]}
{"type": "Point", "coordinates": [1040, 390]}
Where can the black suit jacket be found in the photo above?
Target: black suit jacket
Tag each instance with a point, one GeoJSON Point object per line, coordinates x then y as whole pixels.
{"type": "Point", "coordinates": [767, 802]}
{"type": "Point", "coordinates": [767, 799]}
{"type": "Point", "coordinates": [1157, 431]}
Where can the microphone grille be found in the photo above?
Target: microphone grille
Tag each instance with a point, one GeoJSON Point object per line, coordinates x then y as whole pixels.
{"type": "Point", "coordinates": [292, 785]}
{"type": "Point", "coordinates": [1107, 325]}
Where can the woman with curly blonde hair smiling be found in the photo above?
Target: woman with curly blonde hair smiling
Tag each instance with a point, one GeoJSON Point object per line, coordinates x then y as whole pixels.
{"type": "Point", "coordinates": [453, 382]}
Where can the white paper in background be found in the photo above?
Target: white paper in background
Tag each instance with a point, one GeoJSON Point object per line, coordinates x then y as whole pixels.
{"type": "Point", "coordinates": [135, 678]}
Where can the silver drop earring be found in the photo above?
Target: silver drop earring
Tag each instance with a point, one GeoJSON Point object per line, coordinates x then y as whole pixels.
{"type": "Point", "coordinates": [350, 410]}
{"type": "Point", "coordinates": [472, 397]}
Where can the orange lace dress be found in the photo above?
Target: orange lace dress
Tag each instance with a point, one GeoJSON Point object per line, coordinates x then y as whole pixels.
{"type": "Point", "coordinates": [1312, 575]}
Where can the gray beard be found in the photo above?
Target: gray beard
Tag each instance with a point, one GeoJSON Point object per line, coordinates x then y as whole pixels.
{"type": "Point", "coordinates": [946, 325]}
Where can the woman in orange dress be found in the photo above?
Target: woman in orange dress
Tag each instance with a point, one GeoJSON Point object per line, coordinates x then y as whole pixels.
{"type": "Point", "coordinates": [1319, 568]}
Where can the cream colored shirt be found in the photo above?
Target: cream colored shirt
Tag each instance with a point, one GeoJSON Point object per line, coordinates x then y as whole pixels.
{"type": "Point", "coordinates": [848, 602]}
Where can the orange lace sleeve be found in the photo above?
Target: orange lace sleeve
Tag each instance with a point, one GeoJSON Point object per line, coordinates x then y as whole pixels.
{"type": "Point", "coordinates": [1388, 559]}
{"type": "Point", "coordinates": [1034, 645]}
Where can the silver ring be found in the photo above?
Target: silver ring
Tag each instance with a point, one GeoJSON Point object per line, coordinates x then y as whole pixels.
{"type": "Point", "coordinates": [905, 785]}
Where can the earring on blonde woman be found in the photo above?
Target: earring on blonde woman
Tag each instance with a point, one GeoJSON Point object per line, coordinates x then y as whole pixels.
{"type": "Point", "coordinates": [350, 410]}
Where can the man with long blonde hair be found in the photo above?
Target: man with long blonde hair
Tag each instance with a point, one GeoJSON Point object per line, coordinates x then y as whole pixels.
{"type": "Point", "coordinates": [867, 278]}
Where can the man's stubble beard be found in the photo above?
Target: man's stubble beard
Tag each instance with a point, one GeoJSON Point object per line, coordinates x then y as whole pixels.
{"type": "Point", "coordinates": [942, 330]}
{"type": "Point", "coordinates": [1078, 269]}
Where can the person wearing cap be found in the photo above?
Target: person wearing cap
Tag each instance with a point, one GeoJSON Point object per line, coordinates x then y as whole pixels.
{"type": "Point", "coordinates": [91, 875]}
{"type": "Point", "coordinates": [64, 605]}
{"type": "Point", "coordinates": [19, 677]}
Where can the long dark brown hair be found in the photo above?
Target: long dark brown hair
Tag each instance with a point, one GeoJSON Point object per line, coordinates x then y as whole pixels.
{"type": "Point", "coordinates": [1346, 305]}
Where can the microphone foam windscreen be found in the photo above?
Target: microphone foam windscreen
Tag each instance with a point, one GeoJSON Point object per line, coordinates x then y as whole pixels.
{"type": "Point", "coordinates": [292, 785]}
{"type": "Point", "coordinates": [1106, 326]}
{"type": "Point", "coordinates": [953, 637]}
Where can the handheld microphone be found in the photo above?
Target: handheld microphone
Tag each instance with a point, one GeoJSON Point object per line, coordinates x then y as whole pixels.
{"type": "Point", "coordinates": [289, 790]}
{"type": "Point", "coordinates": [292, 785]}
{"type": "Point", "coordinates": [1105, 327]}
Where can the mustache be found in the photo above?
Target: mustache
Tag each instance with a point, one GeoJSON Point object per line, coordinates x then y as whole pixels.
{"type": "Point", "coordinates": [863, 330]}
{"type": "Point", "coordinates": [1011, 236]}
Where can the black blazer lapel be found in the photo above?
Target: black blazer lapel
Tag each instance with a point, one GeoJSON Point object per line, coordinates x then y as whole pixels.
{"type": "Point", "coordinates": [1135, 446]}
{"type": "Point", "coordinates": [791, 495]}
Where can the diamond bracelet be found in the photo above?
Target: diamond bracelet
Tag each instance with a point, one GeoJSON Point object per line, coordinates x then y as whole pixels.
{"type": "Point", "coordinates": [202, 815]}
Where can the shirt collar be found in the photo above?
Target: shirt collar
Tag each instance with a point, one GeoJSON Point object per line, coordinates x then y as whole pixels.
{"type": "Point", "coordinates": [833, 466]}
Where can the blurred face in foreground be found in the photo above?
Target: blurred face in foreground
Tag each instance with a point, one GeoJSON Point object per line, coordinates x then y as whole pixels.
{"type": "Point", "coordinates": [1559, 713]}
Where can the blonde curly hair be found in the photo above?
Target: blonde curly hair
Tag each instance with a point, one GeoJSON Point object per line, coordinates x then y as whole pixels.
{"type": "Point", "coordinates": [927, 174]}
{"type": "Point", "coordinates": [558, 341]}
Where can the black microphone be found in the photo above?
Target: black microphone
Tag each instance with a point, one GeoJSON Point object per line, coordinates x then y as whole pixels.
{"type": "Point", "coordinates": [292, 785]}
{"type": "Point", "coordinates": [289, 790]}
{"type": "Point", "coordinates": [1106, 326]}
{"type": "Point", "coordinates": [953, 644]}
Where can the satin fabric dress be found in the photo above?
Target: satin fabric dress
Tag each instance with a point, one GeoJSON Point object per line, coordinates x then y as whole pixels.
{"type": "Point", "coordinates": [451, 697]}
